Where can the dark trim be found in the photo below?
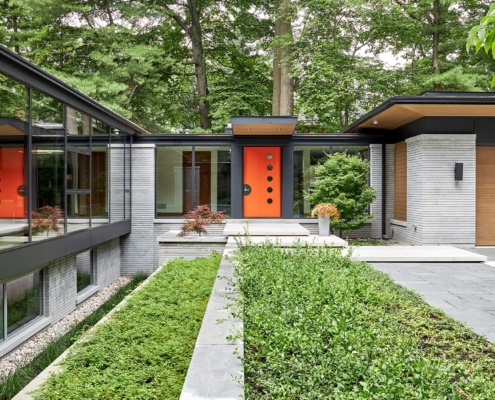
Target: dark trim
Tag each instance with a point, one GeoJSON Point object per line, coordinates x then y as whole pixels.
{"type": "Point", "coordinates": [236, 179]}
{"type": "Point", "coordinates": [384, 189]}
{"type": "Point", "coordinates": [287, 166]}
{"type": "Point", "coordinates": [22, 70]}
{"type": "Point", "coordinates": [25, 259]}
{"type": "Point", "coordinates": [223, 140]}
{"type": "Point", "coordinates": [442, 98]}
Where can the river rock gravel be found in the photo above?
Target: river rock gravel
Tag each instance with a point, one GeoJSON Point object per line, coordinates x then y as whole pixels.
{"type": "Point", "coordinates": [32, 347]}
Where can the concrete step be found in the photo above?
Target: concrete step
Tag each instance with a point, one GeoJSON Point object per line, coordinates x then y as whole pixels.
{"type": "Point", "coordinates": [264, 229]}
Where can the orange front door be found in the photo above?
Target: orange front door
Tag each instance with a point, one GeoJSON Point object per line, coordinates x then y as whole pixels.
{"type": "Point", "coordinates": [262, 182]}
{"type": "Point", "coordinates": [11, 182]}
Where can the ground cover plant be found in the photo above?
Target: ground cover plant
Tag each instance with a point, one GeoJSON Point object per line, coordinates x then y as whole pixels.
{"type": "Point", "coordinates": [23, 375]}
{"type": "Point", "coordinates": [318, 325]}
{"type": "Point", "coordinates": [144, 350]}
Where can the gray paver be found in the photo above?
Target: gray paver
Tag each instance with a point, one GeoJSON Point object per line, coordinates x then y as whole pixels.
{"type": "Point", "coordinates": [465, 291]}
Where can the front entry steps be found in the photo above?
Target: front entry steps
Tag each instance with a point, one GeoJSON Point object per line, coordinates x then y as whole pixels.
{"type": "Point", "coordinates": [280, 233]}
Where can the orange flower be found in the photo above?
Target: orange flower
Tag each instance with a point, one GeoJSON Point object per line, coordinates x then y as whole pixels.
{"type": "Point", "coordinates": [324, 209]}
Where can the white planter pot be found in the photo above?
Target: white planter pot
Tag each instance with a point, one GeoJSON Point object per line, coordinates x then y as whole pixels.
{"type": "Point", "coordinates": [324, 225]}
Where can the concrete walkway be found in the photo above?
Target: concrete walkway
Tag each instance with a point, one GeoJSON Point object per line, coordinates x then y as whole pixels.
{"type": "Point", "coordinates": [465, 291]}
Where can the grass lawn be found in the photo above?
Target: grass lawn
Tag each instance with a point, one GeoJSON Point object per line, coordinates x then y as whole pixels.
{"type": "Point", "coordinates": [144, 350]}
{"type": "Point", "coordinates": [320, 326]}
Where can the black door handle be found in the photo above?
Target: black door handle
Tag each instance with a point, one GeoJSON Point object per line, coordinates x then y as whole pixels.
{"type": "Point", "coordinates": [247, 190]}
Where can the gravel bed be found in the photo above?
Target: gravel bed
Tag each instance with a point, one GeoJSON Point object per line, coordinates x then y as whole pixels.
{"type": "Point", "coordinates": [31, 348]}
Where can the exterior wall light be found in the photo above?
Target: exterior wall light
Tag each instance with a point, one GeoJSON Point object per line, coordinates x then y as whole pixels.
{"type": "Point", "coordinates": [458, 171]}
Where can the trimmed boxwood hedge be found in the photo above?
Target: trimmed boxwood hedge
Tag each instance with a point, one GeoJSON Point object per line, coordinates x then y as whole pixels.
{"type": "Point", "coordinates": [318, 325]}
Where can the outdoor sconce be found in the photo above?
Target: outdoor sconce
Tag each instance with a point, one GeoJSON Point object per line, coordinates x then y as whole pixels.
{"type": "Point", "coordinates": [458, 171]}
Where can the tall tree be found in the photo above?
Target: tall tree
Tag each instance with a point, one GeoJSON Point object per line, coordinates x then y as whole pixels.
{"type": "Point", "coordinates": [283, 82]}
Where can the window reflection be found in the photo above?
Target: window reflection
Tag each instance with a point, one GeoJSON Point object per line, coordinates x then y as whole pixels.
{"type": "Point", "coordinates": [306, 158]}
{"type": "Point", "coordinates": [187, 178]}
{"type": "Point", "coordinates": [13, 173]}
{"type": "Point", "coordinates": [48, 167]}
{"type": "Point", "coordinates": [24, 301]}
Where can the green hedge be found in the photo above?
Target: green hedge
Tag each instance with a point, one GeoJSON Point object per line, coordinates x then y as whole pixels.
{"type": "Point", "coordinates": [320, 326]}
{"type": "Point", "coordinates": [143, 352]}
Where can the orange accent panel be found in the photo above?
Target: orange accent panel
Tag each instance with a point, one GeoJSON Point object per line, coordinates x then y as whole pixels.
{"type": "Point", "coordinates": [11, 178]}
{"type": "Point", "coordinates": [256, 175]}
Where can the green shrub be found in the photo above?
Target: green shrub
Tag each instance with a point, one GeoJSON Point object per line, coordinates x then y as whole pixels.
{"type": "Point", "coordinates": [343, 180]}
{"type": "Point", "coordinates": [320, 326]}
{"type": "Point", "coordinates": [144, 350]}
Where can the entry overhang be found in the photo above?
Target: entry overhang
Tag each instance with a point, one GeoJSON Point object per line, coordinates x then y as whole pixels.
{"type": "Point", "coordinates": [259, 126]}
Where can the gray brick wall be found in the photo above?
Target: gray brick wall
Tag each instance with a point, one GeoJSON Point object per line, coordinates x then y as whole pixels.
{"type": "Point", "coordinates": [138, 248]}
{"type": "Point", "coordinates": [389, 173]}
{"type": "Point", "coordinates": [376, 172]}
{"type": "Point", "coordinates": [60, 287]}
{"type": "Point", "coordinates": [107, 258]}
{"type": "Point", "coordinates": [440, 210]}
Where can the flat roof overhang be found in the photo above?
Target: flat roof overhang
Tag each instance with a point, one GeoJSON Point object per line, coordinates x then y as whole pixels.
{"type": "Point", "coordinates": [399, 111]}
{"type": "Point", "coordinates": [261, 126]}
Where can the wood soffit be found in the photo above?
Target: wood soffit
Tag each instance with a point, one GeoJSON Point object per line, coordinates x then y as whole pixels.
{"type": "Point", "coordinates": [263, 129]}
{"type": "Point", "coordinates": [402, 114]}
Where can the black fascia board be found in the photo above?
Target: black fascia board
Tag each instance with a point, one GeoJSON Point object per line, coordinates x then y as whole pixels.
{"type": "Point", "coordinates": [461, 98]}
{"type": "Point", "coordinates": [30, 257]}
{"type": "Point", "coordinates": [30, 74]}
{"type": "Point", "coordinates": [222, 139]}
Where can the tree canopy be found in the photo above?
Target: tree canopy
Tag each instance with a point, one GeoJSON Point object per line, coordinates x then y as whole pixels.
{"type": "Point", "coordinates": [189, 65]}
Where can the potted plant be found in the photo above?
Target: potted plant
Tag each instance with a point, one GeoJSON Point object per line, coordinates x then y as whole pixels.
{"type": "Point", "coordinates": [326, 212]}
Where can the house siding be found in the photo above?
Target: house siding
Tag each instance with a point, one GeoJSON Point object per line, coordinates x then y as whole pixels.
{"type": "Point", "coordinates": [390, 187]}
{"type": "Point", "coordinates": [376, 173]}
{"type": "Point", "coordinates": [440, 210]}
{"type": "Point", "coordinates": [139, 247]}
{"type": "Point", "coordinates": [107, 262]}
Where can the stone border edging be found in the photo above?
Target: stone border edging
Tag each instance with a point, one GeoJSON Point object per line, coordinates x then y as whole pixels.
{"type": "Point", "coordinates": [55, 367]}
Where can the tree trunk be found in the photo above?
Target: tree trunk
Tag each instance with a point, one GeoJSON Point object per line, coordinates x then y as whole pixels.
{"type": "Point", "coordinates": [283, 84]}
{"type": "Point", "coordinates": [436, 41]}
{"type": "Point", "coordinates": [277, 73]}
{"type": "Point", "coordinates": [199, 65]}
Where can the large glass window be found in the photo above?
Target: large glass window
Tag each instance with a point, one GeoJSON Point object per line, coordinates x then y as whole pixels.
{"type": "Point", "coordinates": [78, 177]}
{"type": "Point", "coordinates": [99, 173]}
{"type": "Point", "coordinates": [187, 177]}
{"type": "Point", "coordinates": [24, 301]}
{"type": "Point", "coordinates": [48, 160]}
{"type": "Point", "coordinates": [85, 270]}
{"type": "Point", "coordinates": [306, 158]}
{"type": "Point", "coordinates": [13, 167]}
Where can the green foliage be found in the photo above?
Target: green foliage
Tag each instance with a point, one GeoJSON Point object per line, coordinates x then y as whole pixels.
{"type": "Point", "coordinates": [47, 219]}
{"type": "Point", "coordinates": [143, 351]}
{"type": "Point", "coordinates": [23, 375]}
{"type": "Point", "coordinates": [199, 218]}
{"type": "Point", "coordinates": [482, 36]}
{"type": "Point", "coordinates": [320, 326]}
{"type": "Point", "coordinates": [343, 180]}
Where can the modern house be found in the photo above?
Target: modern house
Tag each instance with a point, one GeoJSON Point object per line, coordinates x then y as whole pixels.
{"type": "Point", "coordinates": [84, 193]}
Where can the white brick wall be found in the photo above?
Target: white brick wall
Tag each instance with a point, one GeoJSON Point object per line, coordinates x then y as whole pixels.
{"type": "Point", "coordinates": [376, 172]}
{"type": "Point", "coordinates": [107, 259]}
{"type": "Point", "coordinates": [139, 247]}
{"type": "Point", "coordinates": [440, 210]}
{"type": "Point", "coordinates": [389, 172]}
{"type": "Point", "coordinates": [60, 287]}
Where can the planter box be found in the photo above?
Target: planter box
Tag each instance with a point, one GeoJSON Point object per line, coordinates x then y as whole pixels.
{"type": "Point", "coordinates": [171, 246]}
